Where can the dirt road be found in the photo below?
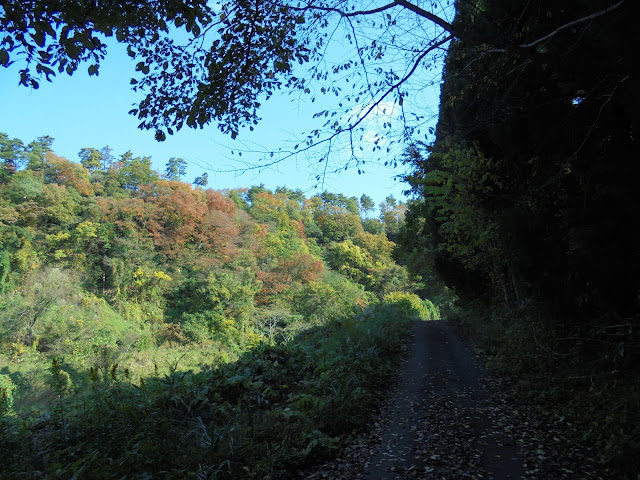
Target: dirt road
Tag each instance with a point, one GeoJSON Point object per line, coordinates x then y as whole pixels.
{"type": "Point", "coordinates": [447, 420]}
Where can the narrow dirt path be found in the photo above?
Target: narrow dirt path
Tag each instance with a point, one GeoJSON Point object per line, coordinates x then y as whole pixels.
{"type": "Point", "coordinates": [448, 420]}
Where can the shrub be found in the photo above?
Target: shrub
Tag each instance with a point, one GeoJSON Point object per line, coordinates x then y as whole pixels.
{"type": "Point", "coordinates": [201, 326]}
{"type": "Point", "coordinates": [434, 312]}
{"type": "Point", "coordinates": [7, 387]}
{"type": "Point", "coordinates": [59, 381]}
{"type": "Point", "coordinates": [412, 305]}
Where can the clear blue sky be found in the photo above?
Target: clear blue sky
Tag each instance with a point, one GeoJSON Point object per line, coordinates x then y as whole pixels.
{"type": "Point", "coordinates": [82, 111]}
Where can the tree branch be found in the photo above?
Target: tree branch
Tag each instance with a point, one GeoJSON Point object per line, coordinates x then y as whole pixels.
{"type": "Point", "coordinates": [429, 16]}
{"type": "Point", "coordinates": [402, 80]}
{"type": "Point", "coordinates": [310, 144]}
{"type": "Point", "coordinates": [571, 24]}
{"type": "Point", "coordinates": [342, 13]}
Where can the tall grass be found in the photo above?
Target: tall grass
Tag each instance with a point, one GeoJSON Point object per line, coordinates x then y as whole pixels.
{"type": "Point", "coordinates": [265, 415]}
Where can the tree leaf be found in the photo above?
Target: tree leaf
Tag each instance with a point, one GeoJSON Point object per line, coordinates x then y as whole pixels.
{"type": "Point", "coordinates": [4, 57]}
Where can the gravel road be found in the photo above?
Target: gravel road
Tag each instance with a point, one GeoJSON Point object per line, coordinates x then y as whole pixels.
{"type": "Point", "coordinates": [448, 419]}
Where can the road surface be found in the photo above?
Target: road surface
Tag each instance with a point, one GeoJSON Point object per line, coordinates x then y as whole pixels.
{"type": "Point", "coordinates": [447, 419]}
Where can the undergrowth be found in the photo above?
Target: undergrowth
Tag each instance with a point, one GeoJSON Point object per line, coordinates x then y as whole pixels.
{"type": "Point", "coordinates": [590, 390]}
{"type": "Point", "coordinates": [274, 410]}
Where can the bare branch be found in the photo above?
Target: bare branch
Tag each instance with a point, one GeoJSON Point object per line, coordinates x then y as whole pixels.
{"type": "Point", "coordinates": [402, 80]}
{"type": "Point", "coordinates": [429, 16]}
{"type": "Point", "coordinates": [571, 24]}
{"type": "Point", "coordinates": [328, 141]}
{"type": "Point", "coordinates": [342, 13]}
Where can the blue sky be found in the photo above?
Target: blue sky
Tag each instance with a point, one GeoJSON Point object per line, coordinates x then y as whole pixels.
{"type": "Point", "coordinates": [82, 111]}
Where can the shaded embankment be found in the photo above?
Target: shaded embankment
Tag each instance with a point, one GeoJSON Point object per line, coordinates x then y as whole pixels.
{"type": "Point", "coordinates": [447, 419]}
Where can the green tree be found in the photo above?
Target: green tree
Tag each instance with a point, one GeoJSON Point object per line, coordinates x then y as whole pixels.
{"type": "Point", "coordinates": [202, 180]}
{"type": "Point", "coordinates": [42, 291]}
{"type": "Point", "coordinates": [11, 154]}
{"type": "Point", "coordinates": [106, 156]}
{"type": "Point", "coordinates": [352, 261]}
{"type": "Point", "coordinates": [24, 186]}
{"type": "Point", "coordinates": [335, 297]}
{"type": "Point", "coordinates": [5, 268]}
{"type": "Point", "coordinates": [90, 158]}
{"type": "Point", "coordinates": [373, 226]}
{"type": "Point", "coordinates": [36, 151]}
{"type": "Point", "coordinates": [254, 191]}
{"type": "Point", "coordinates": [176, 168]}
{"type": "Point", "coordinates": [366, 205]}
{"type": "Point", "coordinates": [134, 172]}
{"type": "Point", "coordinates": [392, 215]}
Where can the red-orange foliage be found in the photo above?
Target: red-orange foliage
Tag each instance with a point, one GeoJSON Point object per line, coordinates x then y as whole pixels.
{"type": "Point", "coordinates": [130, 215]}
{"type": "Point", "coordinates": [301, 268]}
{"type": "Point", "coordinates": [183, 217]}
{"type": "Point", "coordinates": [63, 172]}
{"type": "Point", "coordinates": [299, 226]}
{"type": "Point", "coordinates": [217, 201]}
{"type": "Point", "coordinates": [175, 215]}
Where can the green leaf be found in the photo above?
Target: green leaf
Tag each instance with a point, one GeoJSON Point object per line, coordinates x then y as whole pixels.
{"type": "Point", "coordinates": [93, 69]}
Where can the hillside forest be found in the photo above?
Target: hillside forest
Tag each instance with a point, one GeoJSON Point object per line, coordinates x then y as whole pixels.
{"type": "Point", "coordinates": [132, 301]}
{"type": "Point", "coordinates": [156, 328]}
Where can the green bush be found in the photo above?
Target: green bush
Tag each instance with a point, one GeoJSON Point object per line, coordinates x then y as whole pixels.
{"type": "Point", "coordinates": [199, 327]}
{"type": "Point", "coordinates": [433, 311]}
{"type": "Point", "coordinates": [334, 298]}
{"type": "Point", "coordinates": [59, 381]}
{"type": "Point", "coordinates": [7, 387]}
{"type": "Point", "coordinates": [412, 305]}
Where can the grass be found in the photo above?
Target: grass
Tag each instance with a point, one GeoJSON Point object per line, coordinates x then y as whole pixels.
{"type": "Point", "coordinates": [270, 412]}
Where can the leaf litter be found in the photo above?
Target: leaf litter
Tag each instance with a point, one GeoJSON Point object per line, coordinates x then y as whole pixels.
{"type": "Point", "coordinates": [448, 418]}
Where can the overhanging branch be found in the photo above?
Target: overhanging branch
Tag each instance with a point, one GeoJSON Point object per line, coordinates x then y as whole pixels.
{"type": "Point", "coordinates": [342, 13]}
{"type": "Point", "coordinates": [571, 24]}
{"type": "Point", "coordinates": [429, 16]}
{"type": "Point", "coordinates": [399, 83]}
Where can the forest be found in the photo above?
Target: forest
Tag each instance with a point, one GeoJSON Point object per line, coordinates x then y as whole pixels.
{"type": "Point", "coordinates": [139, 312]}
{"type": "Point", "coordinates": [237, 313]}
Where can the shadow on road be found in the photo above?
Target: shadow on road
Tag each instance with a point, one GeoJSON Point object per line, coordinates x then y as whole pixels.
{"type": "Point", "coordinates": [440, 423]}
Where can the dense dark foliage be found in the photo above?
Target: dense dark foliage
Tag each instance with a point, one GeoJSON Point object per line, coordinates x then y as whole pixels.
{"type": "Point", "coordinates": [527, 199]}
